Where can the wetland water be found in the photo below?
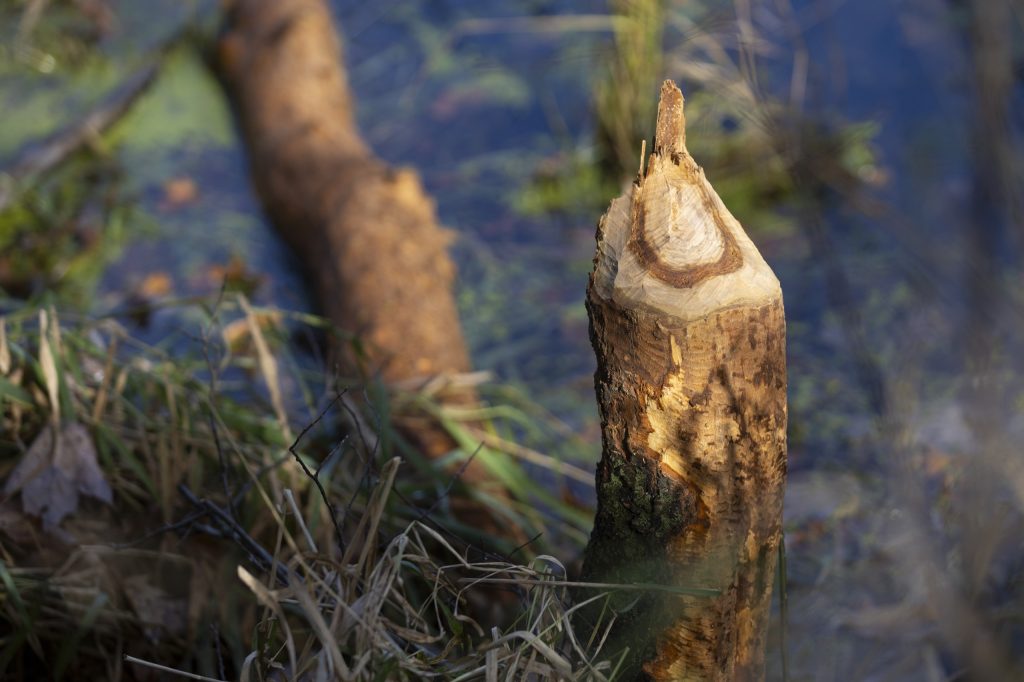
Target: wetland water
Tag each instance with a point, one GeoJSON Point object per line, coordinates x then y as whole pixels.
{"type": "Point", "coordinates": [877, 274]}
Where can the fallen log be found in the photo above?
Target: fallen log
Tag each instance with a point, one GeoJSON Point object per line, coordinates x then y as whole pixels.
{"type": "Point", "coordinates": [686, 320]}
{"type": "Point", "coordinates": [366, 234]}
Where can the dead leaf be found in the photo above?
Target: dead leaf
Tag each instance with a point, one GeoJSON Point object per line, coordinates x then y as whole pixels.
{"type": "Point", "coordinates": [235, 275]}
{"type": "Point", "coordinates": [179, 192]}
{"type": "Point", "coordinates": [160, 613]}
{"type": "Point", "coordinates": [52, 474]}
{"type": "Point", "coordinates": [155, 285]}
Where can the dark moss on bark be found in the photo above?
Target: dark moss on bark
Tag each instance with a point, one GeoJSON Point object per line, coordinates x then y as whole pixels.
{"type": "Point", "coordinates": [640, 510]}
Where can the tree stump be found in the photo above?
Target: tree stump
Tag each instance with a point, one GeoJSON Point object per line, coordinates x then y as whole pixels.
{"type": "Point", "coordinates": [686, 320]}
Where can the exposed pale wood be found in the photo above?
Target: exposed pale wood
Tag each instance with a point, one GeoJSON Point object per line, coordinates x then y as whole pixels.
{"type": "Point", "coordinates": [366, 234]}
{"type": "Point", "coordinates": [688, 327]}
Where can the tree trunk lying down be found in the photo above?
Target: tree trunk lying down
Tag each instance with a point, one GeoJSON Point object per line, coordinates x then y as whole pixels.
{"type": "Point", "coordinates": [688, 327]}
{"type": "Point", "coordinates": [366, 234]}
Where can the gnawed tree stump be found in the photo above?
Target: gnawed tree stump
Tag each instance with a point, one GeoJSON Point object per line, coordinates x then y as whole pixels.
{"type": "Point", "coordinates": [366, 234]}
{"type": "Point", "coordinates": [688, 327]}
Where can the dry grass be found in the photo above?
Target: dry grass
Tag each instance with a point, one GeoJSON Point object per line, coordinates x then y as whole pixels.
{"type": "Point", "coordinates": [236, 549]}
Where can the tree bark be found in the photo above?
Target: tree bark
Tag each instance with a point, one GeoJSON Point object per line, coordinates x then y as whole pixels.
{"type": "Point", "coordinates": [366, 234]}
{"type": "Point", "coordinates": [687, 324]}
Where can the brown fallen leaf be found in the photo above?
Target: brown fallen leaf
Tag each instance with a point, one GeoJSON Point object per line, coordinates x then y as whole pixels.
{"type": "Point", "coordinates": [179, 192]}
{"type": "Point", "coordinates": [235, 275]}
{"type": "Point", "coordinates": [55, 471]}
{"type": "Point", "coordinates": [155, 285]}
{"type": "Point", "coordinates": [160, 613]}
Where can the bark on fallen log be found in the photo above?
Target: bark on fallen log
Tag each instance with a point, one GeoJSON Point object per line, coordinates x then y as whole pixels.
{"type": "Point", "coordinates": [688, 327]}
{"type": "Point", "coordinates": [366, 234]}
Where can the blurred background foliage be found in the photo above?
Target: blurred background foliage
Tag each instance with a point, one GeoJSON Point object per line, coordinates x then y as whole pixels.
{"type": "Point", "coordinates": [870, 148]}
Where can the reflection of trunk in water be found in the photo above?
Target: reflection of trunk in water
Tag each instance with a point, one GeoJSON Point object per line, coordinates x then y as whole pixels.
{"type": "Point", "coordinates": [989, 45]}
{"type": "Point", "coordinates": [991, 329]}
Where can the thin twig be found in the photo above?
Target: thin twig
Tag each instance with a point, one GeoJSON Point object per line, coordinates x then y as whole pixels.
{"type": "Point", "coordinates": [166, 528]}
{"type": "Point", "coordinates": [223, 462]}
{"type": "Point", "coordinates": [315, 477]}
{"type": "Point", "coordinates": [256, 551]}
{"type": "Point", "coordinates": [451, 484]}
{"type": "Point", "coordinates": [165, 669]}
{"type": "Point", "coordinates": [428, 516]}
{"type": "Point", "coordinates": [624, 587]}
{"type": "Point", "coordinates": [783, 609]}
{"type": "Point", "coordinates": [526, 544]}
{"type": "Point", "coordinates": [369, 454]}
{"type": "Point", "coordinates": [206, 345]}
{"type": "Point", "coordinates": [265, 468]}
{"type": "Point", "coordinates": [217, 650]}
